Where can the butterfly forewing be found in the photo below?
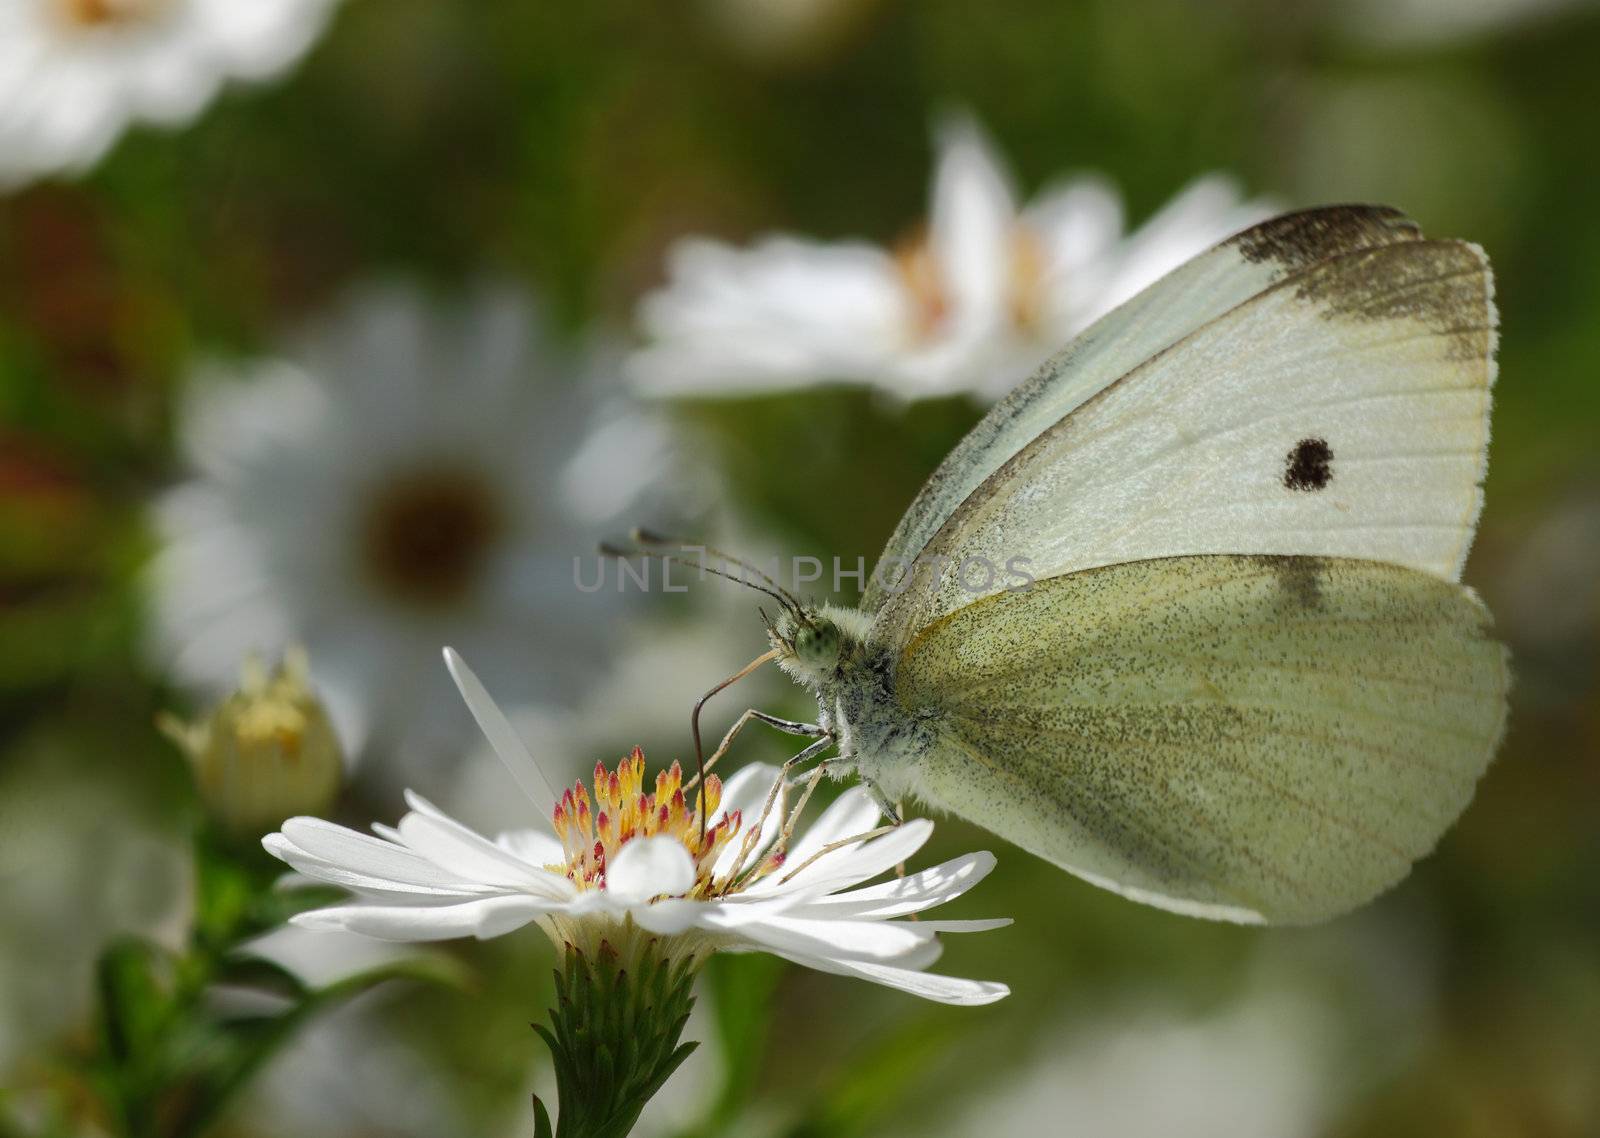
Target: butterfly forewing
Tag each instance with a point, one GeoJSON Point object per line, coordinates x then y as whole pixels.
{"type": "Point", "coordinates": [1192, 296]}
{"type": "Point", "coordinates": [1342, 412]}
{"type": "Point", "coordinates": [1250, 738]}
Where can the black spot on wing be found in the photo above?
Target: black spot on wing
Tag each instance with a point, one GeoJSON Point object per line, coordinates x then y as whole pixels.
{"type": "Point", "coordinates": [1309, 466]}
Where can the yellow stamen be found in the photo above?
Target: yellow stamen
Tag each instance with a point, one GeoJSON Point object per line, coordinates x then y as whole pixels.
{"type": "Point", "coordinates": [593, 834]}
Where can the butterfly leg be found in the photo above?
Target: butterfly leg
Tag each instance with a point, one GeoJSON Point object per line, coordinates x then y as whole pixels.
{"type": "Point", "coordinates": [900, 868]}
{"type": "Point", "coordinates": [787, 726]}
{"type": "Point", "coordinates": [891, 810]}
{"type": "Point", "coordinates": [839, 845]}
{"type": "Point", "coordinates": [894, 811]}
{"type": "Point", "coordinates": [779, 784]}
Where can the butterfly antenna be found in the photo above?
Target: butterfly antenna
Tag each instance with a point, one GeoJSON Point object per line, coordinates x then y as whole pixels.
{"type": "Point", "coordinates": [650, 538]}
{"type": "Point", "coordinates": [694, 727]}
{"type": "Point", "coordinates": [776, 593]}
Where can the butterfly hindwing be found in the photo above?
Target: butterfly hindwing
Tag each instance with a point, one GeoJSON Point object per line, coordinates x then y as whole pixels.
{"type": "Point", "coordinates": [1255, 738]}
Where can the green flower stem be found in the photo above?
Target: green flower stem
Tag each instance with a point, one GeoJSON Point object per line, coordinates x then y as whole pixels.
{"type": "Point", "coordinates": [613, 1036]}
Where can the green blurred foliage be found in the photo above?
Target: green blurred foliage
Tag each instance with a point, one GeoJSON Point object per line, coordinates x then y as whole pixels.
{"type": "Point", "coordinates": [567, 146]}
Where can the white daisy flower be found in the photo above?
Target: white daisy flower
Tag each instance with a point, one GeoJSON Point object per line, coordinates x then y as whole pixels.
{"type": "Point", "coordinates": [75, 73]}
{"type": "Point", "coordinates": [412, 478]}
{"type": "Point", "coordinates": [979, 298]}
{"type": "Point", "coordinates": [722, 873]}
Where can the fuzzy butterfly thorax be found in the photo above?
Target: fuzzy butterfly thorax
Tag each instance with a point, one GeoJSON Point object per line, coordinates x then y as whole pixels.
{"type": "Point", "coordinates": [831, 651]}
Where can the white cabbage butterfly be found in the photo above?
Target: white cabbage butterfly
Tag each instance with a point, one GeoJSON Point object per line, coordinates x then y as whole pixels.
{"type": "Point", "coordinates": [1245, 683]}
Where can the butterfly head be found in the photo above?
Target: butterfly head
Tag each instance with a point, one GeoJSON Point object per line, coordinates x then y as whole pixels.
{"type": "Point", "coordinates": [813, 641]}
{"type": "Point", "coordinates": [807, 641]}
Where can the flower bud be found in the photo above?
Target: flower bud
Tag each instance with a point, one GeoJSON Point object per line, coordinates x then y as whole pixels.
{"type": "Point", "coordinates": [266, 753]}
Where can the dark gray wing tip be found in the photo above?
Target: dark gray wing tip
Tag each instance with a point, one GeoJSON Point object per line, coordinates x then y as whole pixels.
{"type": "Point", "coordinates": [1305, 237]}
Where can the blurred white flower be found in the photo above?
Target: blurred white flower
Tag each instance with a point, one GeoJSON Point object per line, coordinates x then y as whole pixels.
{"type": "Point", "coordinates": [1404, 24]}
{"type": "Point", "coordinates": [973, 304]}
{"type": "Point", "coordinates": [627, 864]}
{"type": "Point", "coordinates": [75, 73]}
{"type": "Point", "coordinates": [412, 479]}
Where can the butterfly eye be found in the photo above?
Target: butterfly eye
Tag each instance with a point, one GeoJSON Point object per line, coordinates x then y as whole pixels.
{"type": "Point", "coordinates": [817, 644]}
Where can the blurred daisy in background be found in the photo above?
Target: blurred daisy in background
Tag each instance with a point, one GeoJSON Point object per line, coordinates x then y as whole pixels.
{"type": "Point", "coordinates": [74, 74]}
{"type": "Point", "coordinates": [412, 478]}
{"type": "Point", "coordinates": [971, 304]}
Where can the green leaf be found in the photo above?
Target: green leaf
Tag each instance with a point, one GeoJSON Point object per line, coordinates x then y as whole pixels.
{"type": "Point", "coordinates": [541, 1120]}
{"type": "Point", "coordinates": [134, 981]}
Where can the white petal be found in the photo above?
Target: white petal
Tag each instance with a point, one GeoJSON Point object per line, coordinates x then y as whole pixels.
{"type": "Point", "coordinates": [1204, 212]}
{"type": "Point", "coordinates": [780, 314]}
{"type": "Point", "coordinates": [746, 792]}
{"type": "Point", "coordinates": [373, 857]}
{"type": "Point", "coordinates": [971, 222]}
{"type": "Point", "coordinates": [458, 849]}
{"type": "Point", "coordinates": [502, 737]}
{"type": "Point", "coordinates": [482, 918]}
{"type": "Point", "coordinates": [853, 864]}
{"type": "Point", "coordinates": [942, 989]}
{"type": "Point", "coordinates": [853, 812]}
{"type": "Point", "coordinates": [321, 958]}
{"type": "Point", "coordinates": [981, 925]}
{"type": "Point", "coordinates": [861, 940]}
{"type": "Point", "coordinates": [650, 867]}
{"type": "Point", "coordinates": [325, 871]}
{"type": "Point", "coordinates": [910, 894]}
{"type": "Point", "coordinates": [533, 846]}
{"type": "Point", "coordinates": [670, 917]}
{"type": "Point", "coordinates": [917, 959]}
{"type": "Point", "coordinates": [1076, 222]}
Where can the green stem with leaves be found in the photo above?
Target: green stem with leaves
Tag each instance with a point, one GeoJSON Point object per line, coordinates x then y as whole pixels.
{"type": "Point", "coordinates": [614, 1037]}
{"type": "Point", "coordinates": [167, 1063]}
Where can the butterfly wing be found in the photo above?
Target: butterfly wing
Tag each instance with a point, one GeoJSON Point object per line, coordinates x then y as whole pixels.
{"type": "Point", "coordinates": [1340, 408]}
{"type": "Point", "coordinates": [1191, 296]}
{"type": "Point", "coordinates": [1263, 739]}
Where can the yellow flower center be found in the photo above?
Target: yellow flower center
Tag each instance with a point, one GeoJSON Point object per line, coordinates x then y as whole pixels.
{"type": "Point", "coordinates": [592, 833]}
